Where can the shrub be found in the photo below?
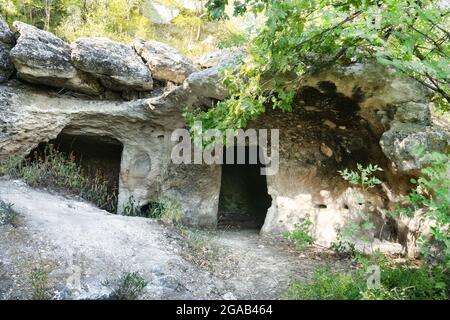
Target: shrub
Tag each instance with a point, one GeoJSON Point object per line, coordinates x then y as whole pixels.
{"type": "Point", "coordinates": [55, 170]}
{"type": "Point", "coordinates": [301, 235]}
{"type": "Point", "coordinates": [327, 285]}
{"type": "Point", "coordinates": [385, 294]}
{"type": "Point", "coordinates": [397, 283]}
{"type": "Point", "coordinates": [130, 286]}
{"type": "Point", "coordinates": [232, 40]}
{"type": "Point", "coordinates": [39, 282]}
{"type": "Point", "coordinates": [131, 208]}
{"type": "Point", "coordinates": [156, 210]}
{"type": "Point", "coordinates": [431, 197]}
{"type": "Point", "coordinates": [165, 209]}
{"type": "Point", "coordinates": [343, 248]}
{"type": "Point", "coordinates": [419, 283]}
{"type": "Point", "coordinates": [7, 214]}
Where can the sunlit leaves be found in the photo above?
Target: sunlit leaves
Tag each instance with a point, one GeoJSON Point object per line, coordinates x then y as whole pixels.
{"type": "Point", "coordinates": [301, 35]}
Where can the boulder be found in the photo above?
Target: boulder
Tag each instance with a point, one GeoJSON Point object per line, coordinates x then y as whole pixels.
{"type": "Point", "coordinates": [117, 66]}
{"type": "Point", "coordinates": [6, 35]}
{"type": "Point", "coordinates": [42, 58]}
{"type": "Point", "coordinates": [208, 83]}
{"type": "Point", "coordinates": [412, 136]}
{"type": "Point", "coordinates": [214, 58]}
{"type": "Point", "coordinates": [6, 42]}
{"type": "Point", "coordinates": [166, 63]}
{"type": "Point", "coordinates": [6, 67]}
{"type": "Point", "coordinates": [409, 146]}
{"type": "Point", "coordinates": [158, 12]}
{"type": "Point", "coordinates": [190, 5]}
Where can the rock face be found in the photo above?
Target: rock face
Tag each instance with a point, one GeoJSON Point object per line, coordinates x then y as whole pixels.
{"type": "Point", "coordinates": [411, 135]}
{"type": "Point", "coordinates": [6, 42]}
{"type": "Point", "coordinates": [116, 65]}
{"type": "Point", "coordinates": [6, 67]}
{"type": "Point", "coordinates": [398, 111]}
{"type": "Point", "coordinates": [208, 82]}
{"type": "Point", "coordinates": [212, 59]}
{"type": "Point", "coordinates": [40, 57]}
{"type": "Point", "coordinates": [144, 127]}
{"type": "Point", "coordinates": [362, 113]}
{"type": "Point", "coordinates": [165, 62]}
{"type": "Point", "coordinates": [6, 35]}
{"type": "Point", "coordinates": [157, 12]}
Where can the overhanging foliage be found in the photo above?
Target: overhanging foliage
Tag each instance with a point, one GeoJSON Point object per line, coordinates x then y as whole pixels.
{"type": "Point", "coordinates": [301, 35]}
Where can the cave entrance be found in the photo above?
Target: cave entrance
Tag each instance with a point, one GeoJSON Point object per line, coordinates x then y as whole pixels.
{"type": "Point", "coordinates": [98, 156]}
{"type": "Point", "coordinates": [244, 200]}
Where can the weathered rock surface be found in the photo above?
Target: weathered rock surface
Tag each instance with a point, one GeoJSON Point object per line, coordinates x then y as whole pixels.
{"type": "Point", "coordinates": [165, 62]}
{"type": "Point", "coordinates": [6, 67]}
{"type": "Point", "coordinates": [409, 147]}
{"type": "Point", "coordinates": [159, 12]}
{"type": "Point", "coordinates": [144, 127]}
{"type": "Point", "coordinates": [6, 42]}
{"type": "Point", "coordinates": [396, 109]}
{"type": "Point", "coordinates": [192, 5]}
{"type": "Point", "coordinates": [208, 83]}
{"type": "Point", "coordinates": [376, 115]}
{"type": "Point", "coordinates": [6, 35]}
{"type": "Point", "coordinates": [212, 59]}
{"type": "Point", "coordinates": [42, 58]}
{"type": "Point", "coordinates": [116, 65]}
{"type": "Point", "coordinates": [411, 137]}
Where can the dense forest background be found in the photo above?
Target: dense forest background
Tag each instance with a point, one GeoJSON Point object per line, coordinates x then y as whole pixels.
{"type": "Point", "coordinates": [190, 29]}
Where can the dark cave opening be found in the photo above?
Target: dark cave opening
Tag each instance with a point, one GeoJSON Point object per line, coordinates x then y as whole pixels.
{"type": "Point", "coordinates": [98, 156]}
{"type": "Point", "coordinates": [244, 200]}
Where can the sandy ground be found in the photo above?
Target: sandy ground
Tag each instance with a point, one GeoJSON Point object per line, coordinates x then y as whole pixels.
{"type": "Point", "coordinates": [81, 246]}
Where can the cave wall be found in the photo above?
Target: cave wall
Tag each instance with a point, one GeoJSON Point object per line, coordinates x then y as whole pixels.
{"type": "Point", "coordinates": [31, 116]}
{"type": "Point", "coordinates": [341, 117]}
{"type": "Point", "coordinates": [324, 134]}
{"type": "Point", "coordinates": [97, 156]}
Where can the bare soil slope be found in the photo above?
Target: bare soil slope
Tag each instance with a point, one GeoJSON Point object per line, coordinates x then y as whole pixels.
{"type": "Point", "coordinates": [82, 246]}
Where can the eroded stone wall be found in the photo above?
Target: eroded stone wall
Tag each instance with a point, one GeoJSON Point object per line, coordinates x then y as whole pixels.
{"type": "Point", "coordinates": [324, 134]}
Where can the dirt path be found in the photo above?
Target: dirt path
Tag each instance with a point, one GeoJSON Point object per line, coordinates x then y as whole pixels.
{"type": "Point", "coordinates": [80, 246]}
{"type": "Point", "coordinates": [260, 266]}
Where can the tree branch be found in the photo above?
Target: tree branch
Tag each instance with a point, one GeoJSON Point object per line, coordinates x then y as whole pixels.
{"type": "Point", "coordinates": [319, 35]}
